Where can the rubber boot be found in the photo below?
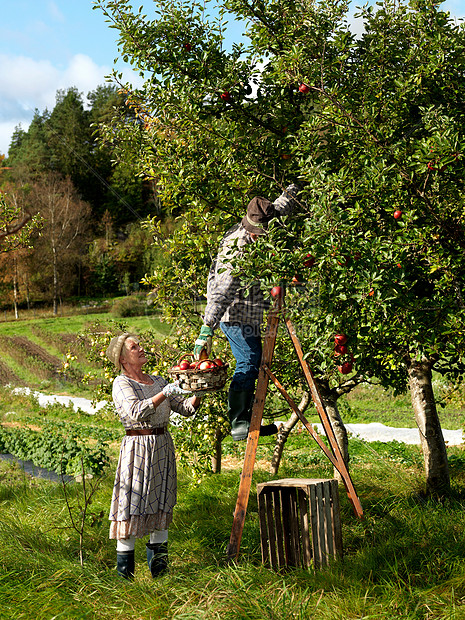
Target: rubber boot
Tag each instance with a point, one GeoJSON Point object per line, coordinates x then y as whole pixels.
{"type": "Point", "coordinates": [157, 558]}
{"type": "Point", "coordinates": [125, 564]}
{"type": "Point", "coordinates": [240, 413]}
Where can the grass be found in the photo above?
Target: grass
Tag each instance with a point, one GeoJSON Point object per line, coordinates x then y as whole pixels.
{"type": "Point", "coordinates": [405, 559]}
{"type": "Point", "coordinates": [46, 331]}
{"type": "Point", "coordinates": [77, 323]}
{"type": "Point", "coordinates": [370, 403]}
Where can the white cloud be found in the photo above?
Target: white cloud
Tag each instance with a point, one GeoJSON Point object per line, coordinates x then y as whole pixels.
{"type": "Point", "coordinates": [83, 73]}
{"type": "Point", "coordinates": [6, 132]}
{"type": "Point", "coordinates": [25, 80]}
{"type": "Point", "coordinates": [55, 12]}
{"type": "Point", "coordinates": [27, 85]}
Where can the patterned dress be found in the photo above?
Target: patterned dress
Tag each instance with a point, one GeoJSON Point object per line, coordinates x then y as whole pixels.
{"type": "Point", "coordinates": [144, 492]}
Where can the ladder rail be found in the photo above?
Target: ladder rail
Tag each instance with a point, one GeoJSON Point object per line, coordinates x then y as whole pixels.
{"type": "Point", "coordinates": [265, 374]}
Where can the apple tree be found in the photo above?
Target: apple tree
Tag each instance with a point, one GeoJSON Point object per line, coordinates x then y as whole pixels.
{"type": "Point", "coordinates": [372, 128]}
{"type": "Point", "coordinates": [16, 222]}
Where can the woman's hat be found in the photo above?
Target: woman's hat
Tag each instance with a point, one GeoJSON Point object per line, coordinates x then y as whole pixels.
{"type": "Point", "coordinates": [116, 346]}
{"type": "Point", "coordinates": [259, 212]}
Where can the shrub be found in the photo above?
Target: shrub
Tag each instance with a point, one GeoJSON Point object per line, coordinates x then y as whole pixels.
{"type": "Point", "coordinates": [128, 306]}
{"type": "Point", "coordinates": [54, 451]}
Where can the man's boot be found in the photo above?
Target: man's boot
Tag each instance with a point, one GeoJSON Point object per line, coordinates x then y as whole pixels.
{"type": "Point", "coordinates": [157, 558]}
{"type": "Point", "coordinates": [240, 413]}
{"type": "Point", "coordinates": [125, 564]}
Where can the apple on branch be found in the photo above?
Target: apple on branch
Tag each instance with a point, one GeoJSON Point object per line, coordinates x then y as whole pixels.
{"type": "Point", "coordinates": [346, 368]}
{"type": "Point", "coordinates": [340, 339]}
{"type": "Point", "coordinates": [309, 260]}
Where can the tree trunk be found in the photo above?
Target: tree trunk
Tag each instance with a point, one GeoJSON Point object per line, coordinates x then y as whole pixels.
{"type": "Point", "coordinates": [55, 281]}
{"type": "Point", "coordinates": [15, 287]}
{"type": "Point", "coordinates": [28, 295]}
{"type": "Point", "coordinates": [216, 458]}
{"type": "Point", "coordinates": [427, 419]}
{"type": "Point", "coordinates": [329, 398]}
{"type": "Point", "coordinates": [284, 433]}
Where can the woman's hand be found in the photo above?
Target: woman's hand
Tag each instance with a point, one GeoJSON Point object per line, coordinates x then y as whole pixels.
{"type": "Point", "coordinates": [174, 389]}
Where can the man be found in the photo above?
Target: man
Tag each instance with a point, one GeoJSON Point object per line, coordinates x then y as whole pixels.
{"type": "Point", "coordinates": [239, 311]}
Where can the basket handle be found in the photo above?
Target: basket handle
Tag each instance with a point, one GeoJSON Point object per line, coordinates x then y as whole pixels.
{"type": "Point", "coordinates": [183, 357]}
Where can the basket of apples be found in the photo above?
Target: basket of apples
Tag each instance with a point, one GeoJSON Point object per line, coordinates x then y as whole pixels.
{"type": "Point", "coordinates": [204, 375]}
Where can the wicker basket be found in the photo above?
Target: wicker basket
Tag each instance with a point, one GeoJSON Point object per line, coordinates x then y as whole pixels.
{"type": "Point", "coordinates": [198, 381]}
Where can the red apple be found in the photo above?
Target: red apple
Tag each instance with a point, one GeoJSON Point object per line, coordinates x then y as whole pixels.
{"type": "Point", "coordinates": [193, 365]}
{"type": "Point", "coordinates": [345, 368]}
{"type": "Point", "coordinates": [309, 260]}
{"type": "Point", "coordinates": [175, 368]}
{"type": "Point", "coordinates": [225, 96]}
{"type": "Point", "coordinates": [340, 339]}
{"type": "Point", "coordinates": [184, 365]}
{"type": "Point", "coordinates": [303, 88]}
{"type": "Point", "coordinates": [276, 291]}
{"type": "Point", "coordinates": [218, 362]}
{"type": "Point", "coordinates": [397, 214]}
{"type": "Point", "coordinates": [206, 364]}
{"type": "Point", "coordinates": [340, 349]}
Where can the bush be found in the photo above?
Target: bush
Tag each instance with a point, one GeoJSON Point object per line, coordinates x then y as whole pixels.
{"type": "Point", "coordinates": [128, 306]}
{"type": "Point", "coordinates": [54, 451]}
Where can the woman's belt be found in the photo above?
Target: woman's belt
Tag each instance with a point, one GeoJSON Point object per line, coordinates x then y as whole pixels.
{"type": "Point", "coordinates": [146, 431]}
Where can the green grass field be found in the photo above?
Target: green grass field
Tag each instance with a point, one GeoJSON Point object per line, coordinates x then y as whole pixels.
{"type": "Point", "coordinates": [405, 559]}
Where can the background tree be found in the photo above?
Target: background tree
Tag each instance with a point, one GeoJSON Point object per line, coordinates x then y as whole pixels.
{"type": "Point", "coordinates": [61, 244]}
{"type": "Point", "coordinates": [17, 224]}
{"type": "Point", "coordinates": [64, 141]}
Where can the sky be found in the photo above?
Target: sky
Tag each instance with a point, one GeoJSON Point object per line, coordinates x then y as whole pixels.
{"type": "Point", "coordinates": [50, 45]}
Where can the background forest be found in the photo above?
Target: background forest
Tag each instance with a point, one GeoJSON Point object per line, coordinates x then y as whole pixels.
{"type": "Point", "coordinates": [88, 240]}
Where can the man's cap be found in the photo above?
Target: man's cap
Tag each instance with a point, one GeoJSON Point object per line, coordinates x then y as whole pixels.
{"type": "Point", "coordinates": [259, 212]}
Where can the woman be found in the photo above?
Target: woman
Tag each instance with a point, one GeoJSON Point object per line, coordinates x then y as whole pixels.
{"type": "Point", "coordinates": [144, 492]}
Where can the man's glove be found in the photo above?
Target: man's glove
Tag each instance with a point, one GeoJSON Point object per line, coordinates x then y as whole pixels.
{"type": "Point", "coordinates": [173, 389]}
{"type": "Point", "coordinates": [203, 342]}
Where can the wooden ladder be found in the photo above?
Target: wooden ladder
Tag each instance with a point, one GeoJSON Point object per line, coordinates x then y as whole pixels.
{"type": "Point", "coordinates": [265, 374]}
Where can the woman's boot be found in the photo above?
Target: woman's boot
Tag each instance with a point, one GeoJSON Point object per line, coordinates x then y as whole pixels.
{"type": "Point", "coordinates": [157, 558]}
{"type": "Point", "coordinates": [125, 564]}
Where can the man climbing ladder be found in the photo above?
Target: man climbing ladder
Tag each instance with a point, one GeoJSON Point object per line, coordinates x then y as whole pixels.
{"type": "Point", "coordinates": [239, 312]}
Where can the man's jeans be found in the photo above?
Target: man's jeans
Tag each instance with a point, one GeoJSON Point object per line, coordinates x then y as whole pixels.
{"type": "Point", "coordinates": [246, 346]}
